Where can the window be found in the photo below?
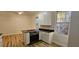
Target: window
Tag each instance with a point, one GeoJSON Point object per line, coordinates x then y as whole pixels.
{"type": "Point", "coordinates": [63, 20]}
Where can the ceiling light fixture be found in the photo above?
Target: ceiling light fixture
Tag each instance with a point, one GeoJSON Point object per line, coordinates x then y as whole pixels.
{"type": "Point", "coordinates": [21, 12]}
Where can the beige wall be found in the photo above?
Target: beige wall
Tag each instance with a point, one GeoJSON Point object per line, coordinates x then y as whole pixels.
{"type": "Point", "coordinates": [13, 23]}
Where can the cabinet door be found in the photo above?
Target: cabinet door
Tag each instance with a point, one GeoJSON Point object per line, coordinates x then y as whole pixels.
{"type": "Point", "coordinates": [44, 36]}
{"type": "Point", "coordinates": [49, 19]}
{"type": "Point", "coordinates": [27, 38]}
{"type": "Point", "coordinates": [45, 18]}
{"type": "Point", "coordinates": [41, 17]}
{"type": "Point", "coordinates": [0, 41]}
{"type": "Point", "coordinates": [40, 35]}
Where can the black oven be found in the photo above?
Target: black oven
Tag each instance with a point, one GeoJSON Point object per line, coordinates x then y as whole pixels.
{"type": "Point", "coordinates": [34, 37]}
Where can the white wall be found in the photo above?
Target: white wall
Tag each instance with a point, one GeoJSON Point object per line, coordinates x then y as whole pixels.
{"type": "Point", "coordinates": [74, 30]}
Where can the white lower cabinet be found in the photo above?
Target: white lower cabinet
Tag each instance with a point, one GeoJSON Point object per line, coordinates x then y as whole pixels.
{"type": "Point", "coordinates": [40, 36]}
{"type": "Point", "coordinates": [27, 38]}
{"type": "Point", "coordinates": [46, 36]}
{"type": "Point", "coordinates": [0, 41]}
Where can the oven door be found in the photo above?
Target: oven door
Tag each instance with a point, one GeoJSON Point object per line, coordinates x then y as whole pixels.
{"type": "Point", "coordinates": [34, 37]}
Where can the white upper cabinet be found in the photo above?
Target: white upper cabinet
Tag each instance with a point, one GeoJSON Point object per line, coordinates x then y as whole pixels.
{"type": "Point", "coordinates": [41, 18]}
{"type": "Point", "coordinates": [47, 18]}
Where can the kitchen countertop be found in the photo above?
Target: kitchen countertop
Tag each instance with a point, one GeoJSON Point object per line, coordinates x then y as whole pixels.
{"type": "Point", "coordinates": [32, 30]}
{"type": "Point", "coordinates": [46, 30]}
{"type": "Point", "coordinates": [26, 31]}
